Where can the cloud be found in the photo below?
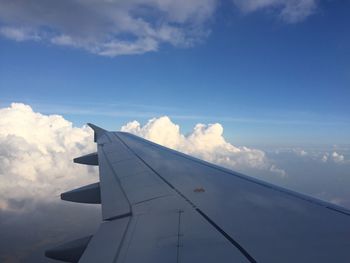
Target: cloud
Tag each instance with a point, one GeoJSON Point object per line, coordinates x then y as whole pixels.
{"type": "Point", "coordinates": [333, 157]}
{"type": "Point", "coordinates": [36, 153]}
{"type": "Point", "coordinates": [290, 11]}
{"type": "Point", "coordinates": [19, 34]}
{"type": "Point", "coordinates": [108, 28]}
{"type": "Point", "coordinates": [324, 158]}
{"type": "Point", "coordinates": [205, 142]}
{"type": "Point", "coordinates": [112, 28]}
{"type": "Point", "coordinates": [323, 155]}
{"type": "Point", "coordinates": [300, 152]}
{"type": "Point", "coordinates": [338, 158]}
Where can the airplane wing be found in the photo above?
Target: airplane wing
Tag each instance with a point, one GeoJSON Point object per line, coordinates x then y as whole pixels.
{"type": "Point", "coordinates": [162, 206]}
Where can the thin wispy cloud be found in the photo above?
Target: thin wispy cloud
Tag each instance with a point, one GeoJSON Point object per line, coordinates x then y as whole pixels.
{"type": "Point", "coordinates": [291, 11]}
{"type": "Point", "coordinates": [133, 110]}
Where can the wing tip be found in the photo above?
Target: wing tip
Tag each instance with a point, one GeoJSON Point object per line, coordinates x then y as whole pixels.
{"type": "Point", "coordinates": [95, 127]}
{"type": "Point", "coordinates": [98, 131]}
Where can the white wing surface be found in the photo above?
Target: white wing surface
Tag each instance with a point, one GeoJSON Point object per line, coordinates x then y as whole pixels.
{"type": "Point", "coordinates": [159, 205]}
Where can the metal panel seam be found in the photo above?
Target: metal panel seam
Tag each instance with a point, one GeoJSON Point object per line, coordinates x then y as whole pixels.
{"type": "Point", "coordinates": [116, 178]}
{"type": "Point", "coordinates": [206, 217]}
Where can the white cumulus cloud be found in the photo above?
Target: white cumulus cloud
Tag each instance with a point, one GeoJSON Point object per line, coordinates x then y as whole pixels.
{"type": "Point", "coordinates": [338, 158]}
{"type": "Point", "coordinates": [36, 153]}
{"type": "Point", "coordinates": [320, 155]}
{"type": "Point", "coordinates": [334, 157]}
{"type": "Point", "coordinates": [205, 142]}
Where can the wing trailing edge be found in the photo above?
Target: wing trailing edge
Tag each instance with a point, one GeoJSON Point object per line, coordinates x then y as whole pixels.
{"type": "Point", "coordinates": [70, 251]}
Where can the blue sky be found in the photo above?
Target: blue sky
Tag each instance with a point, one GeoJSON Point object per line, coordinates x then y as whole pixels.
{"type": "Point", "coordinates": [268, 79]}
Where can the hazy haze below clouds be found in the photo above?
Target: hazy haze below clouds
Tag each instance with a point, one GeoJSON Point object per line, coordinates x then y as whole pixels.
{"type": "Point", "coordinates": [36, 152]}
{"type": "Point", "coordinates": [112, 28]}
{"type": "Point", "coordinates": [323, 172]}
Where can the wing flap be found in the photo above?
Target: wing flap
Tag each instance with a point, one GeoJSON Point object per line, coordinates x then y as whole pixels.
{"type": "Point", "coordinates": [138, 181]}
{"type": "Point", "coordinates": [144, 186]}
{"type": "Point", "coordinates": [168, 230]}
{"type": "Point", "coordinates": [113, 199]}
{"type": "Point", "coordinates": [70, 251]}
{"type": "Point", "coordinates": [104, 246]}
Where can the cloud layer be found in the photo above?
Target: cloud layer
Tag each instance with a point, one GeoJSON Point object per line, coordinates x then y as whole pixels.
{"type": "Point", "coordinates": [36, 153]}
{"type": "Point", "coordinates": [112, 28]}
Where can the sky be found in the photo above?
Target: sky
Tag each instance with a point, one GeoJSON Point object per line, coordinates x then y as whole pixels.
{"type": "Point", "coordinates": [259, 86]}
{"type": "Point", "coordinates": [275, 71]}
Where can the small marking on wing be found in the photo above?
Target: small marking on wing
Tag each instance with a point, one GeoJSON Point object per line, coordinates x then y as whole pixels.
{"type": "Point", "coordinates": [199, 190]}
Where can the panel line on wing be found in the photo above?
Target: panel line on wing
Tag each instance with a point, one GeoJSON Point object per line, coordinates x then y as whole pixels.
{"type": "Point", "coordinates": [179, 237]}
{"type": "Point", "coordinates": [116, 178]}
{"type": "Point", "coordinates": [211, 222]}
{"type": "Point", "coordinates": [118, 217]}
{"type": "Point", "coordinates": [150, 199]}
{"type": "Point", "coordinates": [227, 236]}
{"type": "Point", "coordinates": [276, 188]}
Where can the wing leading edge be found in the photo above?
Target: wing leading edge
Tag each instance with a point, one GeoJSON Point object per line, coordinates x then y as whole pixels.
{"type": "Point", "coordinates": [159, 205]}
